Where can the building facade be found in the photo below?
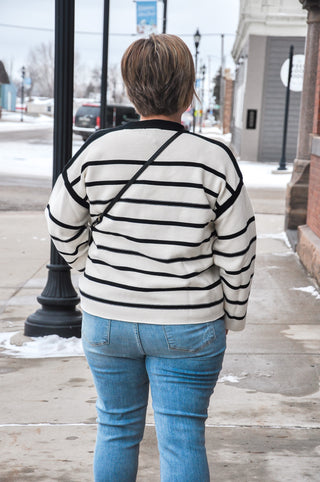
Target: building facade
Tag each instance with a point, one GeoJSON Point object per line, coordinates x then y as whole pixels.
{"type": "Point", "coordinates": [308, 247]}
{"type": "Point", "coordinates": [266, 30]}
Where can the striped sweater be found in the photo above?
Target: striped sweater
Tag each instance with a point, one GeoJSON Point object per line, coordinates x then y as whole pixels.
{"type": "Point", "coordinates": [178, 247]}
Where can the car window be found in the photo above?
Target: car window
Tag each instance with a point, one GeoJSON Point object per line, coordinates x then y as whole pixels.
{"type": "Point", "coordinates": [88, 110]}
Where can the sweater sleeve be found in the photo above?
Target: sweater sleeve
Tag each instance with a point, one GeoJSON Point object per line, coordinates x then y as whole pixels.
{"type": "Point", "coordinates": [67, 215]}
{"type": "Point", "coordinates": [234, 249]}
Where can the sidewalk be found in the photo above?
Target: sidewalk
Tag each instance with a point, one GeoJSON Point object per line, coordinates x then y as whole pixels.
{"type": "Point", "coordinates": [264, 417]}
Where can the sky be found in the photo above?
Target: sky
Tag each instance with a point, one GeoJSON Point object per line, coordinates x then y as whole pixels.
{"type": "Point", "coordinates": [26, 24]}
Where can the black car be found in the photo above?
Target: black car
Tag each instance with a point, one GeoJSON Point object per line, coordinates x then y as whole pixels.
{"type": "Point", "coordinates": [87, 118]}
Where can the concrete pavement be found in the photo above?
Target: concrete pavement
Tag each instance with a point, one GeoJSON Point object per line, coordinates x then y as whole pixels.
{"type": "Point", "coordinates": [264, 419]}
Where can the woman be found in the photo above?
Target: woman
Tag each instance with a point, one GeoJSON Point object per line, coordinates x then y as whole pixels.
{"type": "Point", "coordinates": [167, 271]}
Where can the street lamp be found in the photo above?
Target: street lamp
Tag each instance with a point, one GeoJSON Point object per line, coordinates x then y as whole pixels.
{"type": "Point", "coordinates": [196, 38]}
{"type": "Point", "coordinates": [58, 314]}
{"type": "Point", "coordinates": [203, 74]}
{"type": "Point", "coordinates": [23, 73]}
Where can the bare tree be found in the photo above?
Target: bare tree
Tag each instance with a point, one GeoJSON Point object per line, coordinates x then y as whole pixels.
{"type": "Point", "coordinates": [40, 67]}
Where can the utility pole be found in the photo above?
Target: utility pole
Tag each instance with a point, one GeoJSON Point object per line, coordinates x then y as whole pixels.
{"type": "Point", "coordinates": [164, 25]}
{"type": "Point", "coordinates": [222, 82]}
{"type": "Point", "coordinates": [23, 73]}
{"type": "Point", "coordinates": [104, 69]}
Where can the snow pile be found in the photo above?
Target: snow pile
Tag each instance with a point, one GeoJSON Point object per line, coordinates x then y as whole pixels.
{"type": "Point", "coordinates": [309, 289]}
{"type": "Point", "coordinates": [280, 236]}
{"type": "Point", "coordinates": [232, 378]}
{"type": "Point", "coordinates": [50, 346]}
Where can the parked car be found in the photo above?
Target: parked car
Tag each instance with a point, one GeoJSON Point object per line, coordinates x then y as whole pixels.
{"type": "Point", "coordinates": [87, 118]}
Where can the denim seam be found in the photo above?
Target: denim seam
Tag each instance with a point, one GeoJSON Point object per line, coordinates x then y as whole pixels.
{"type": "Point", "coordinates": [137, 334]}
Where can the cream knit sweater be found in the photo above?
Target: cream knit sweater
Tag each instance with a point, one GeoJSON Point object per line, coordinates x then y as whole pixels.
{"type": "Point", "coordinates": [178, 247]}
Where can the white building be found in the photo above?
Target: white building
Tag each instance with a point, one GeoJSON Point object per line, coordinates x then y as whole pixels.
{"type": "Point", "coordinates": [266, 30]}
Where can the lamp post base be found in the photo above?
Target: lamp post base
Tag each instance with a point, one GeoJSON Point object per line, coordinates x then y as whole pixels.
{"type": "Point", "coordinates": [58, 315]}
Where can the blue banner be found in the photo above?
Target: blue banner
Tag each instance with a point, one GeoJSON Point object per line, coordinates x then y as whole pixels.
{"type": "Point", "coordinates": [146, 17]}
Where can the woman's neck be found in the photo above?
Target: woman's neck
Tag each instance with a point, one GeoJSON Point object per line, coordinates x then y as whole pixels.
{"type": "Point", "coordinates": [172, 118]}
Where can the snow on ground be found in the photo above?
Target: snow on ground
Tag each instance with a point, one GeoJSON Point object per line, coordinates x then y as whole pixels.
{"type": "Point", "coordinates": [309, 289]}
{"type": "Point", "coordinates": [280, 236]}
{"type": "Point", "coordinates": [11, 121]}
{"type": "Point", "coordinates": [29, 159]}
{"type": "Point", "coordinates": [25, 159]}
{"type": "Point", "coordinates": [50, 346]}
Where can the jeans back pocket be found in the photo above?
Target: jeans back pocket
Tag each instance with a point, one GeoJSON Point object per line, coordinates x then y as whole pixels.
{"type": "Point", "coordinates": [95, 330]}
{"type": "Point", "coordinates": [189, 338]}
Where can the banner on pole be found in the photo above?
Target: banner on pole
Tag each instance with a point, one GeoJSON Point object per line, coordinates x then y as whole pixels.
{"type": "Point", "coordinates": [146, 17]}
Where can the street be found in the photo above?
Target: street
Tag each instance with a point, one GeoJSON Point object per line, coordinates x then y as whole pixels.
{"type": "Point", "coordinates": [28, 191]}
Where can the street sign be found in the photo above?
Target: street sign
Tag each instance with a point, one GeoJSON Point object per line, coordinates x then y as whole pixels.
{"type": "Point", "coordinates": [297, 73]}
{"type": "Point", "coordinates": [146, 17]}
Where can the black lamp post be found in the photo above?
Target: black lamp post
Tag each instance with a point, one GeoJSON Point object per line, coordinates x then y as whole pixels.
{"type": "Point", "coordinates": [203, 74]}
{"type": "Point", "coordinates": [283, 161]}
{"type": "Point", "coordinates": [196, 38]}
{"type": "Point", "coordinates": [23, 73]}
{"type": "Point", "coordinates": [58, 314]}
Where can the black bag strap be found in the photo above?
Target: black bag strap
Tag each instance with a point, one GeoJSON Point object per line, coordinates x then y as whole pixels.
{"type": "Point", "coordinates": [135, 177]}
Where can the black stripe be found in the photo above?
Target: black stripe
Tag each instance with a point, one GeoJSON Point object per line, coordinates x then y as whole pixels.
{"type": "Point", "coordinates": [239, 287]}
{"type": "Point", "coordinates": [63, 225]}
{"type": "Point", "coordinates": [235, 317]}
{"type": "Point", "coordinates": [239, 233]}
{"type": "Point", "coordinates": [164, 203]}
{"type": "Point", "coordinates": [75, 181]}
{"type": "Point", "coordinates": [158, 223]}
{"type": "Point", "coordinates": [101, 201]}
{"type": "Point", "coordinates": [104, 162]}
{"type": "Point", "coordinates": [151, 290]}
{"type": "Point", "coordinates": [242, 270]}
{"type": "Point", "coordinates": [72, 193]}
{"type": "Point", "coordinates": [151, 202]}
{"type": "Point", "coordinates": [159, 260]}
{"type": "Point", "coordinates": [154, 183]}
{"type": "Point", "coordinates": [238, 253]}
{"type": "Point", "coordinates": [69, 240]}
{"type": "Point", "coordinates": [152, 307]}
{"type": "Point", "coordinates": [236, 302]}
{"type": "Point", "coordinates": [155, 241]}
{"type": "Point", "coordinates": [152, 273]}
{"type": "Point", "coordinates": [75, 252]}
{"type": "Point", "coordinates": [221, 209]}
{"type": "Point", "coordinates": [106, 183]}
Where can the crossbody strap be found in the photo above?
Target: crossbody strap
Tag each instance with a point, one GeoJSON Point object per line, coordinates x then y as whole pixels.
{"type": "Point", "coordinates": [135, 177]}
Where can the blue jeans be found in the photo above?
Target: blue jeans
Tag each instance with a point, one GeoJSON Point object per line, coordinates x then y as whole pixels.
{"type": "Point", "coordinates": [181, 363]}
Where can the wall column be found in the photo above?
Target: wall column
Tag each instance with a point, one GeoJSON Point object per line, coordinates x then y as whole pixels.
{"type": "Point", "coordinates": [297, 189]}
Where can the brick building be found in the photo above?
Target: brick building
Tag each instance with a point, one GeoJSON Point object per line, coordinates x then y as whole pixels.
{"type": "Point", "coordinates": [308, 247]}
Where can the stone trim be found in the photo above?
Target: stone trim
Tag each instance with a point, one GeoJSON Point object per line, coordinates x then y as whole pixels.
{"type": "Point", "coordinates": [308, 249]}
{"type": "Point", "coordinates": [315, 146]}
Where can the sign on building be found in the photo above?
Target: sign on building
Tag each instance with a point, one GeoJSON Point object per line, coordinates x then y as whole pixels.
{"type": "Point", "coordinates": [296, 82]}
{"type": "Point", "coordinates": [146, 17]}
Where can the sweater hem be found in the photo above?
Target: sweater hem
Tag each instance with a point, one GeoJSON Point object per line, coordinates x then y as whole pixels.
{"type": "Point", "coordinates": [155, 317]}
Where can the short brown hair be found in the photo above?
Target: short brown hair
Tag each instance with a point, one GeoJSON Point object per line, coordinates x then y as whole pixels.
{"type": "Point", "coordinates": [159, 75]}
